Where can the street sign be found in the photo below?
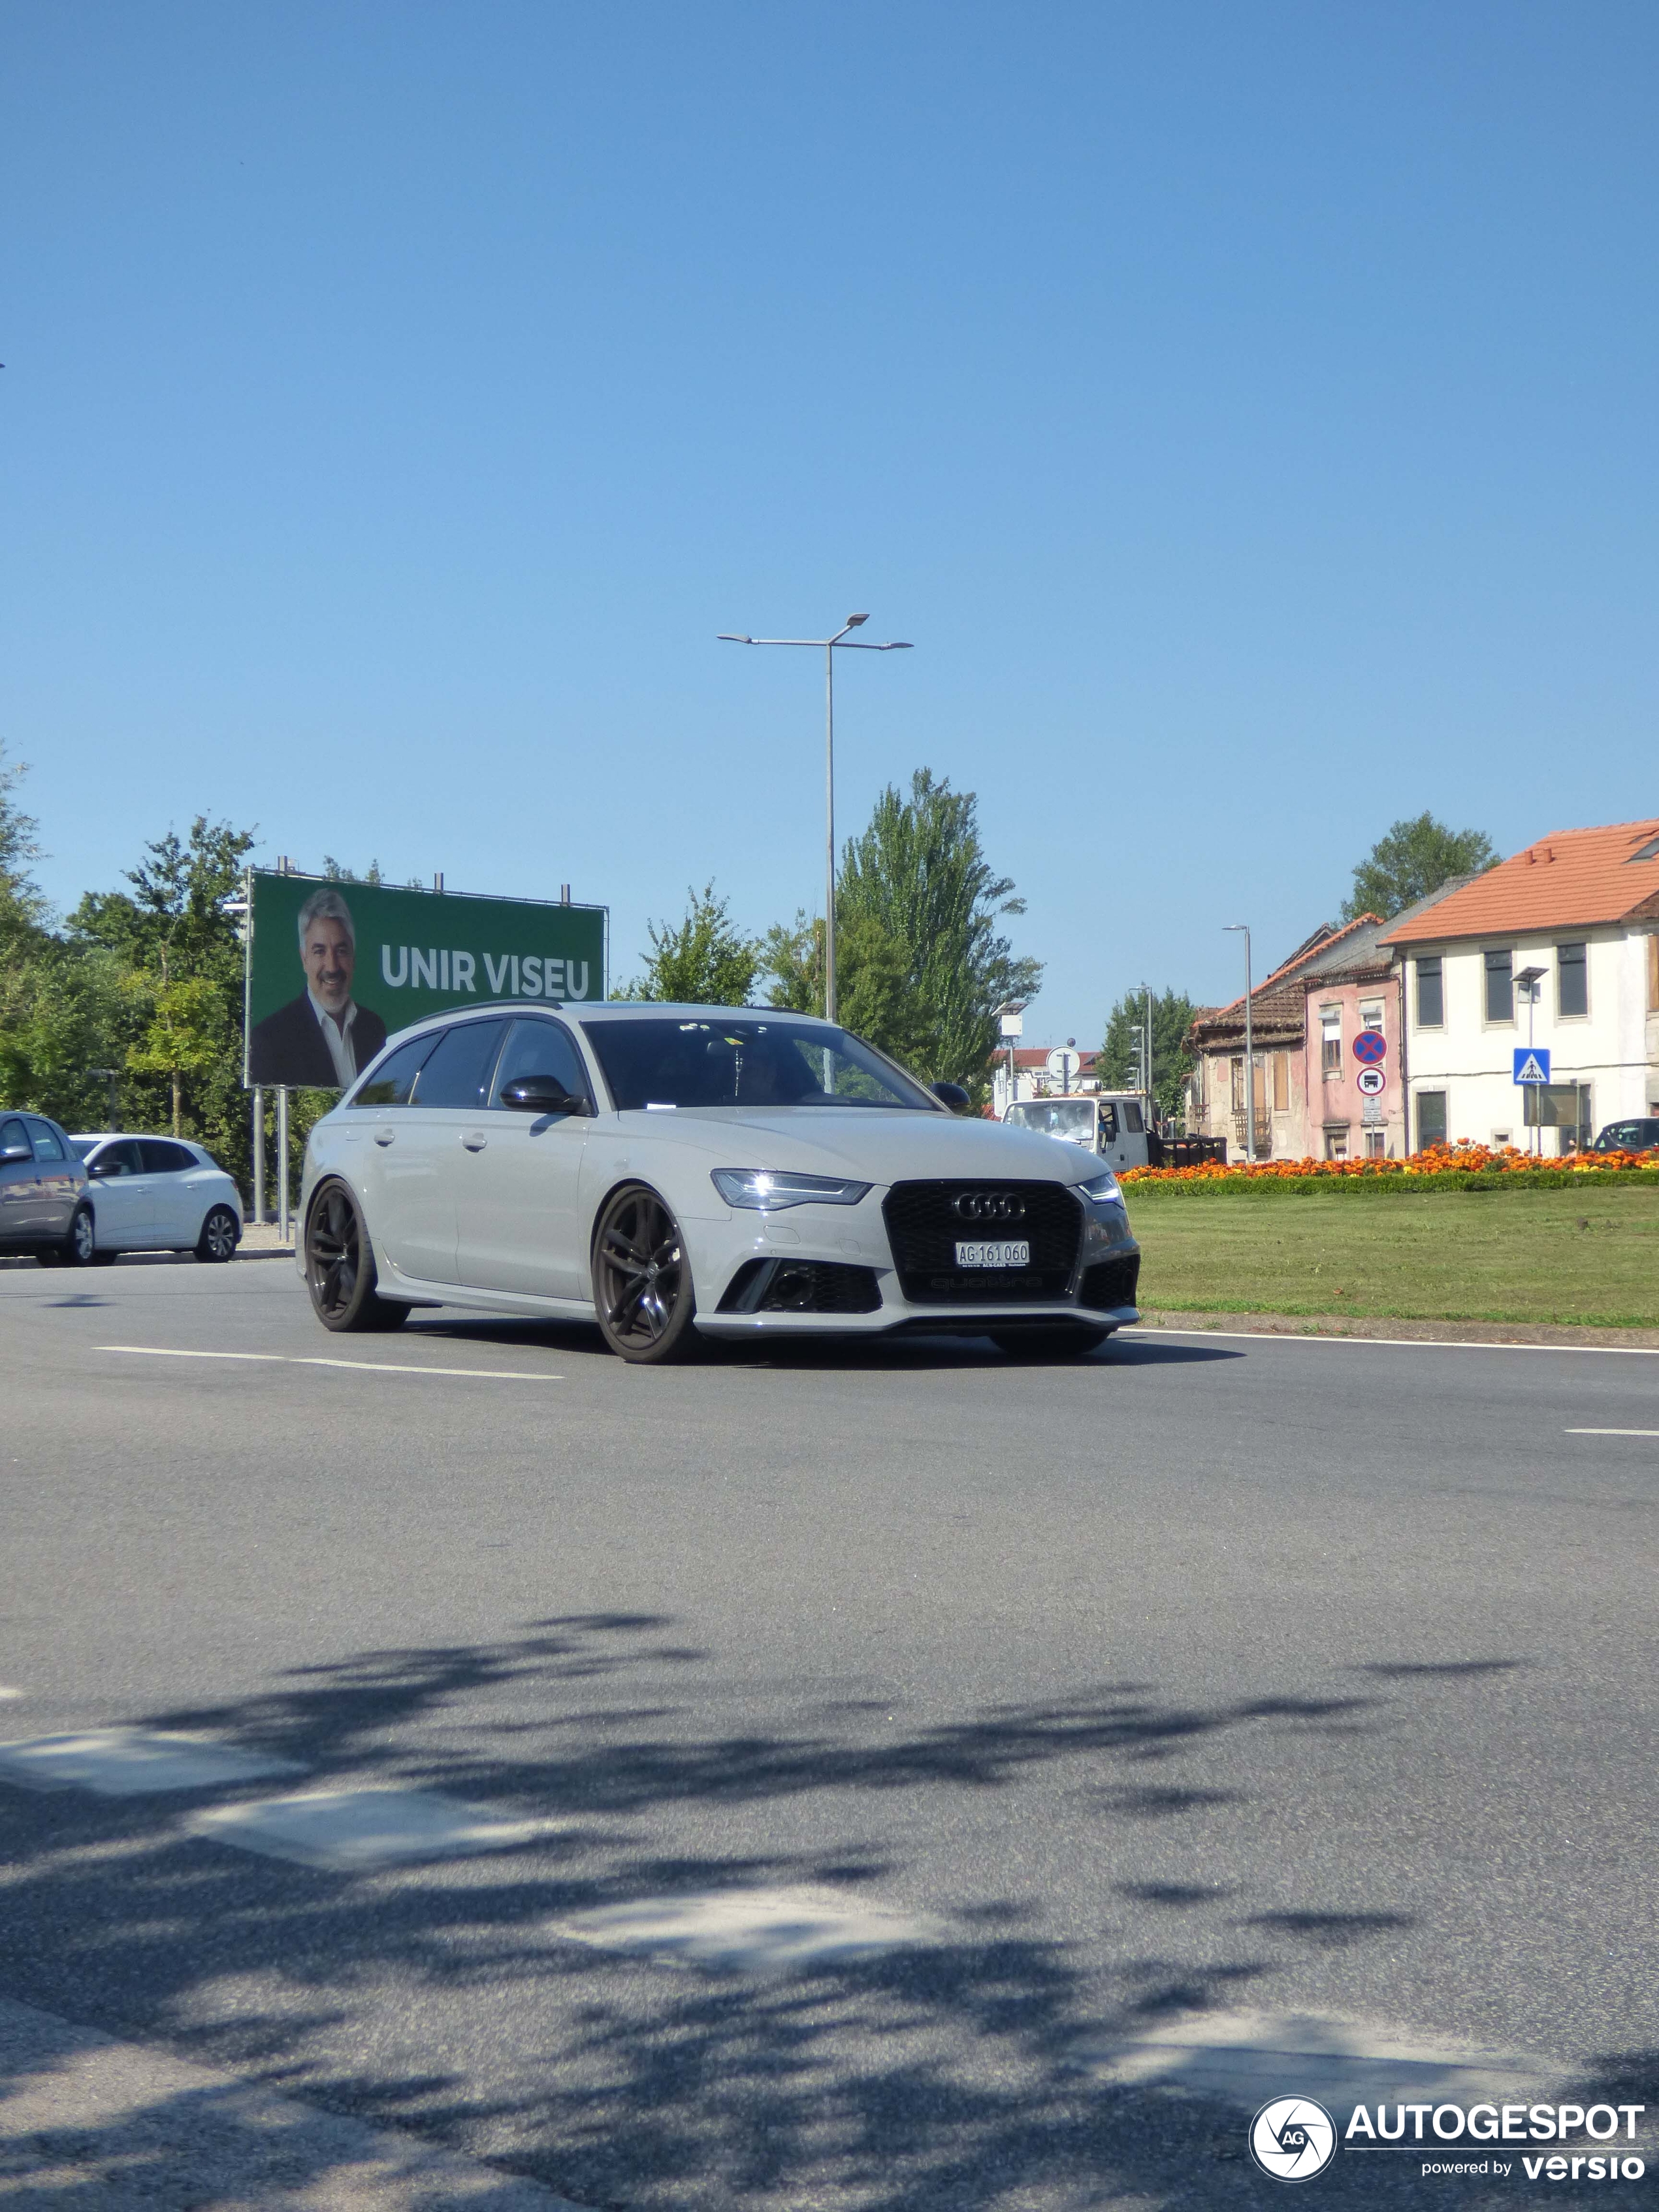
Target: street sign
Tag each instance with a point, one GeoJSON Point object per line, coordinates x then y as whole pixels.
{"type": "Point", "coordinates": [1532, 1064]}
{"type": "Point", "coordinates": [1063, 1064]}
{"type": "Point", "coordinates": [1371, 1113]}
{"type": "Point", "coordinates": [1373, 1082]}
{"type": "Point", "coordinates": [1370, 1046]}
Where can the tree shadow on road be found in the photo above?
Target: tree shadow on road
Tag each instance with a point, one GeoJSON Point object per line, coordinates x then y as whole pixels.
{"type": "Point", "coordinates": [448, 1998]}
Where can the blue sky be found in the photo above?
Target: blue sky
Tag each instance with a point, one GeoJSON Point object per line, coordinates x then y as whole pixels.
{"type": "Point", "coordinates": [1249, 411]}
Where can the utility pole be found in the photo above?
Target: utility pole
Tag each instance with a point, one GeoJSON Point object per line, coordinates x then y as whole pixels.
{"type": "Point", "coordinates": [1249, 1049]}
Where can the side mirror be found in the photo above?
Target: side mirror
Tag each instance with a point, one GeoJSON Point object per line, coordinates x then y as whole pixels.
{"type": "Point", "coordinates": [101, 1167]}
{"type": "Point", "coordinates": [951, 1095]}
{"type": "Point", "coordinates": [11, 1152]}
{"type": "Point", "coordinates": [540, 1094]}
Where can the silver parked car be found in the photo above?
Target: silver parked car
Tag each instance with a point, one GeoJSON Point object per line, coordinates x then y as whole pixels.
{"type": "Point", "coordinates": [675, 1172]}
{"type": "Point", "coordinates": [159, 1194]}
{"type": "Point", "coordinates": [42, 1205]}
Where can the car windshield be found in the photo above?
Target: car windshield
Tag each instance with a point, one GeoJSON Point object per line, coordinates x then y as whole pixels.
{"type": "Point", "coordinates": [1072, 1118]}
{"type": "Point", "coordinates": [685, 1060]}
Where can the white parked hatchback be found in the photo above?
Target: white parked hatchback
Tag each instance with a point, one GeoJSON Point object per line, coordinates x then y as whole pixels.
{"type": "Point", "coordinates": [674, 1172]}
{"type": "Point", "coordinates": [158, 1194]}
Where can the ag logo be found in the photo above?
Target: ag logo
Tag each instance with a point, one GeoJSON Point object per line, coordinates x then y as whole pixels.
{"type": "Point", "coordinates": [1293, 2139]}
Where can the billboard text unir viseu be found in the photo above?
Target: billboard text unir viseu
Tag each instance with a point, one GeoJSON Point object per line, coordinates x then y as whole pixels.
{"type": "Point", "coordinates": [334, 969]}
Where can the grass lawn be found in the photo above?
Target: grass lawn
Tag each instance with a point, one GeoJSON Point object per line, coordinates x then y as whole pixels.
{"type": "Point", "coordinates": [1542, 1255]}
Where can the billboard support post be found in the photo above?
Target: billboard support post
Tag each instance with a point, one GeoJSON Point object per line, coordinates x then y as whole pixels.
{"type": "Point", "coordinates": [259, 1154]}
{"type": "Point", "coordinates": [282, 1163]}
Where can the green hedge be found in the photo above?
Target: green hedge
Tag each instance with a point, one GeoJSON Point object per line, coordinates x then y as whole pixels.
{"type": "Point", "coordinates": [1394, 1186]}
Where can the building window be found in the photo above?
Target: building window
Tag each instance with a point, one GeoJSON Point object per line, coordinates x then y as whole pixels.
{"type": "Point", "coordinates": [1500, 986]}
{"type": "Point", "coordinates": [1431, 994]}
{"type": "Point", "coordinates": [1375, 1139]}
{"type": "Point", "coordinates": [1370, 1014]}
{"type": "Point", "coordinates": [1330, 1041]}
{"type": "Point", "coordinates": [1281, 1082]}
{"type": "Point", "coordinates": [1238, 1086]}
{"type": "Point", "coordinates": [1431, 1119]}
{"type": "Point", "coordinates": [1572, 979]}
{"type": "Point", "coordinates": [1336, 1140]}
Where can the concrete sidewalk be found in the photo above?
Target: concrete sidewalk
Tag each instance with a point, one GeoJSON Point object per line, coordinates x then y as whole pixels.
{"type": "Point", "coordinates": [107, 2126]}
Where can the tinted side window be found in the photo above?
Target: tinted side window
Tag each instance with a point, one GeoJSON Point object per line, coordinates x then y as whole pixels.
{"type": "Point", "coordinates": [46, 1144]}
{"type": "Point", "coordinates": [1132, 1120]}
{"type": "Point", "coordinates": [459, 1068]}
{"type": "Point", "coordinates": [537, 1048]}
{"type": "Point", "coordinates": [394, 1078]}
{"type": "Point", "coordinates": [1108, 1123]}
{"type": "Point", "coordinates": [13, 1132]}
{"type": "Point", "coordinates": [161, 1157]}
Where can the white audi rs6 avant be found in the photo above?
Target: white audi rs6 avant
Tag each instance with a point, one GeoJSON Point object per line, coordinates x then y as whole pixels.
{"type": "Point", "coordinates": [677, 1173]}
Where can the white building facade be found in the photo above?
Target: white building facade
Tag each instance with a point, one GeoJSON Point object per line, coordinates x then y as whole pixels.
{"type": "Point", "coordinates": [1556, 950]}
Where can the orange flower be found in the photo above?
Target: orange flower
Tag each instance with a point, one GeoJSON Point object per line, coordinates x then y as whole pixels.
{"type": "Point", "coordinates": [1463, 1158]}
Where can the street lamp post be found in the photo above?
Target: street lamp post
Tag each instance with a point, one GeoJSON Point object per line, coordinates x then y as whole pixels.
{"type": "Point", "coordinates": [1249, 1048]}
{"type": "Point", "coordinates": [1529, 980]}
{"type": "Point", "coordinates": [827, 646]}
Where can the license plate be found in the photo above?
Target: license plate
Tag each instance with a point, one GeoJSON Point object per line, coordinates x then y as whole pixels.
{"type": "Point", "coordinates": [993, 1255]}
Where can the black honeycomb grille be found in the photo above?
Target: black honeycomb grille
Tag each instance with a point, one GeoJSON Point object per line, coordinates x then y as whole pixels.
{"type": "Point", "coordinates": [924, 1229]}
{"type": "Point", "coordinates": [1110, 1283]}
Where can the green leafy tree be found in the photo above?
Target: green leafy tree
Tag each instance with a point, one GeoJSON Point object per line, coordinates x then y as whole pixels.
{"type": "Point", "coordinates": [1410, 861]}
{"type": "Point", "coordinates": [170, 930]}
{"type": "Point", "coordinates": [1172, 1061]}
{"type": "Point", "coordinates": [873, 997]}
{"type": "Point", "coordinates": [704, 960]}
{"type": "Point", "coordinates": [920, 873]}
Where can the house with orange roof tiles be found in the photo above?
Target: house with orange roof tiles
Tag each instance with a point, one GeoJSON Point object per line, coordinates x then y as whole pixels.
{"type": "Point", "coordinates": [1556, 949]}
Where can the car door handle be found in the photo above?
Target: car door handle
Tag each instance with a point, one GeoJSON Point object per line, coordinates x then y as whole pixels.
{"type": "Point", "coordinates": [474, 1140]}
{"type": "Point", "coordinates": [384, 1136]}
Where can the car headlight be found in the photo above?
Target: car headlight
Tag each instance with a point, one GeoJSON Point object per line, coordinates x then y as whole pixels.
{"type": "Point", "coordinates": [769, 1190]}
{"type": "Point", "coordinates": [1102, 1189]}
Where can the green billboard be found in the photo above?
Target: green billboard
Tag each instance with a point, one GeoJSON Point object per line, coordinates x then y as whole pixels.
{"type": "Point", "coordinates": [334, 968]}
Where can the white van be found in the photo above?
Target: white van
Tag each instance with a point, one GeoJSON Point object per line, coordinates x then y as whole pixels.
{"type": "Point", "coordinates": [1109, 1123]}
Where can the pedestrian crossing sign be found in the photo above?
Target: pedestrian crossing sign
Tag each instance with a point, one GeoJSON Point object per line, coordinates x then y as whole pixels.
{"type": "Point", "coordinates": [1532, 1064]}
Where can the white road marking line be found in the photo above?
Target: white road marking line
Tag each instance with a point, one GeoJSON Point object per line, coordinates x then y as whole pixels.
{"type": "Point", "coordinates": [361, 1366]}
{"type": "Point", "coordinates": [1413, 1343]}
{"type": "Point", "coordinates": [748, 1931]}
{"type": "Point", "coordinates": [1247, 2057]}
{"type": "Point", "coordinates": [350, 1831]}
{"type": "Point", "coordinates": [6, 1691]}
{"type": "Point", "coordinates": [125, 1762]}
{"type": "Point", "coordinates": [1610, 1432]}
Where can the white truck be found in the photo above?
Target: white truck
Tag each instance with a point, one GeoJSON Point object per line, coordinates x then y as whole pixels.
{"type": "Point", "coordinates": [1111, 1124]}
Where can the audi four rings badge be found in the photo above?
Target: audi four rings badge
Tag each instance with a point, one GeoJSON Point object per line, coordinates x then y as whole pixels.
{"type": "Point", "coordinates": [988, 1206]}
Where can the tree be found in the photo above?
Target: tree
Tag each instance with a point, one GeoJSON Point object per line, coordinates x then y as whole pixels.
{"type": "Point", "coordinates": [920, 874]}
{"type": "Point", "coordinates": [873, 997]}
{"type": "Point", "coordinates": [706, 961]}
{"type": "Point", "coordinates": [182, 959]}
{"type": "Point", "coordinates": [1172, 1061]}
{"type": "Point", "coordinates": [1411, 862]}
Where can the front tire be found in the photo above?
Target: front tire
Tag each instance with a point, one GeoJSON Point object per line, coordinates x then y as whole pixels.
{"type": "Point", "coordinates": [340, 1272]}
{"type": "Point", "coordinates": [78, 1249]}
{"type": "Point", "coordinates": [642, 1279]}
{"type": "Point", "coordinates": [220, 1236]}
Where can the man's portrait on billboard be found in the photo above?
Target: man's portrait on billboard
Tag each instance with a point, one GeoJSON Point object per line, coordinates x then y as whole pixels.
{"type": "Point", "coordinates": [322, 1040]}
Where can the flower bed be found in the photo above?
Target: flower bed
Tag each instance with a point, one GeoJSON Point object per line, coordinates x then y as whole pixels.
{"type": "Point", "coordinates": [1439, 1167]}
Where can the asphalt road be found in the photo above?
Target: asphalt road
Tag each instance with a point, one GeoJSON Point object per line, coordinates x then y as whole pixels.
{"type": "Point", "coordinates": [1203, 1675]}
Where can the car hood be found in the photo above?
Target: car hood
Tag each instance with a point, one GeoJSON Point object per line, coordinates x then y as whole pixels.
{"type": "Point", "coordinates": [867, 1142]}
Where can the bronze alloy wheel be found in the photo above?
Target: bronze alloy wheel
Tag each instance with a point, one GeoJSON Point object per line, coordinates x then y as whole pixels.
{"type": "Point", "coordinates": [340, 1266]}
{"type": "Point", "coordinates": [642, 1279]}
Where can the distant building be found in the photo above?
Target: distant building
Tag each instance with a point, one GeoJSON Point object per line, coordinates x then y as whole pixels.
{"type": "Point", "coordinates": [1304, 1016]}
{"type": "Point", "coordinates": [1581, 907]}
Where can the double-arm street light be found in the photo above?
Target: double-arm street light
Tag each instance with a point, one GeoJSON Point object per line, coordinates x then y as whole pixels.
{"type": "Point", "coordinates": [827, 646]}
